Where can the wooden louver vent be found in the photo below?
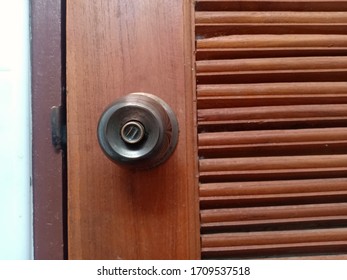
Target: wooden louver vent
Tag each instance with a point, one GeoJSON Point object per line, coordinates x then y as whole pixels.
{"type": "Point", "coordinates": [272, 121]}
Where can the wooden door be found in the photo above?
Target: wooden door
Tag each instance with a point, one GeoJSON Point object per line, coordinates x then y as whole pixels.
{"type": "Point", "coordinates": [259, 88]}
{"type": "Point", "coordinates": [114, 48]}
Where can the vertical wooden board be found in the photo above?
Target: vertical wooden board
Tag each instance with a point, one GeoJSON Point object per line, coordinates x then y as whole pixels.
{"type": "Point", "coordinates": [47, 163]}
{"type": "Point", "coordinates": [115, 48]}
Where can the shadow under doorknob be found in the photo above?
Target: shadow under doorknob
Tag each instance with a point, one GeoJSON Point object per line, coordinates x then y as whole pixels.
{"type": "Point", "coordinates": [138, 131]}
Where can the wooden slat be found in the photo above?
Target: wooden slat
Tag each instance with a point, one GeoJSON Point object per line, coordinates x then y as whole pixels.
{"type": "Point", "coordinates": [273, 136]}
{"type": "Point", "coordinates": [274, 41]}
{"type": "Point", "coordinates": [273, 142]}
{"type": "Point", "coordinates": [260, 251]}
{"type": "Point", "coordinates": [291, 123]}
{"type": "Point", "coordinates": [266, 100]}
{"type": "Point", "coordinates": [282, 167]}
{"type": "Point", "coordinates": [276, 217]}
{"type": "Point", "coordinates": [245, 95]}
{"type": "Point", "coordinates": [273, 238]}
{"type": "Point", "coordinates": [315, 75]}
{"type": "Point", "coordinates": [210, 30]}
{"type": "Point", "coordinates": [328, 88]}
{"type": "Point", "coordinates": [273, 112]}
{"type": "Point", "coordinates": [273, 174]}
{"type": "Point", "coordinates": [277, 149]}
{"type": "Point", "coordinates": [270, 212]}
{"type": "Point", "coordinates": [314, 257]}
{"type": "Point", "coordinates": [271, 5]}
{"type": "Point", "coordinates": [272, 64]}
{"type": "Point", "coordinates": [250, 52]}
{"type": "Point", "coordinates": [270, 17]}
{"type": "Point", "coordinates": [218, 202]}
{"type": "Point", "coordinates": [272, 187]}
{"type": "Point", "coordinates": [273, 163]}
{"type": "Point", "coordinates": [290, 223]}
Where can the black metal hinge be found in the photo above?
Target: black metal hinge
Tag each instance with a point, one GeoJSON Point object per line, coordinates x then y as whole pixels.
{"type": "Point", "coordinates": [58, 124]}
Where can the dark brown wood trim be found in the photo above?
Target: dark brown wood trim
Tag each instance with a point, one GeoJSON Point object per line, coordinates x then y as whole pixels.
{"type": "Point", "coordinates": [47, 84]}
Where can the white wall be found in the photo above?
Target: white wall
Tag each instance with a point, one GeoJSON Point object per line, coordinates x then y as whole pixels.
{"type": "Point", "coordinates": [15, 139]}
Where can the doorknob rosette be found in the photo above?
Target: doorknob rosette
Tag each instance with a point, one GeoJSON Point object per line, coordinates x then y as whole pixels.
{"type": "Point", "coordinates": [138, 131]}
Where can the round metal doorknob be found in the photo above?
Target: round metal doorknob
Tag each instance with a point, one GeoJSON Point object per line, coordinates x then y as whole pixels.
{"type": "Point", "coordinates": [138, 131]}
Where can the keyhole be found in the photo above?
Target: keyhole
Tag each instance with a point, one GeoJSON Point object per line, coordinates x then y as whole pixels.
{"type": "Point", "coordinates": [132, 132]}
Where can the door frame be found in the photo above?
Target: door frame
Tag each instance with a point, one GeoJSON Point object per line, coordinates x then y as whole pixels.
{"type": "Point", "coordinates": [48, 164]}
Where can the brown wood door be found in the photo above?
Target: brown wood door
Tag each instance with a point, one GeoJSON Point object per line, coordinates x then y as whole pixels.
{"type": "Point", "coordinates": [259, 88]}
{"type": "Point", "coordinates": [115, 48]}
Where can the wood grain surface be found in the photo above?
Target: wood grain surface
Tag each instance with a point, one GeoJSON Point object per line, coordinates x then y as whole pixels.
{"type": "Point", "coordinates": [269, 129]}
{"type": "Point", "coordinates": [115, 48]}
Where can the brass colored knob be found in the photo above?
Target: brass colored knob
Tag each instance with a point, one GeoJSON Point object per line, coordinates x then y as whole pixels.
{"type": "Point", "coordinates": [138, 131]}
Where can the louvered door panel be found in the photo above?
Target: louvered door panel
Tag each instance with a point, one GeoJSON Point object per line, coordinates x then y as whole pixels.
{"type": "Point", "coordinates": [272, 128]}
